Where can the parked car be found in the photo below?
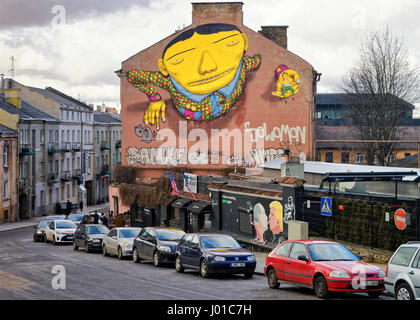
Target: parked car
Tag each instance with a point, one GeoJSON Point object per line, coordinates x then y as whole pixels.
{"type": "Point", "coordinates": [403, 272]}
{"type": "Point", "coordinates": [59, 231]}
{"type": "Point", "coordinates": [59, 217]}
{"type": "Point", "coordinates": [89, 236]}
{"type": "Point", "coordinates": [213, 253]}
{"type": "Point", "coordinates": [325, 266]}
{"type": "Point", "coordinates": [39, 234]}
{"type": "Point", "coordinates": [76, 218]}
{"type": "Point", "coordinates": [119, 241]}
{"type": "Point", "coordinates": [157, 244]}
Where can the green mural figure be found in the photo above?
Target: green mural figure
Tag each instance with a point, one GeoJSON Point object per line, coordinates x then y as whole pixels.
{"type": "Point", "coordinates": [204, 69]}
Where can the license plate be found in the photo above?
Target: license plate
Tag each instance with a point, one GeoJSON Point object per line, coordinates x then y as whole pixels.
{"type": "Point", "coordinates": [372, 283]}
{"type": "Point", "coordinates": [237, 264]}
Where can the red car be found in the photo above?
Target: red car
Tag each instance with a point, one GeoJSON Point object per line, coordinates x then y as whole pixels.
{"type": "Point", "coordinates": [324, 266]}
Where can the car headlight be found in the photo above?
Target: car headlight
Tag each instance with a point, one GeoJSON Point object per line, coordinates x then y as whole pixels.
{"type": "Point", "coordinates": [219, 258]}
{"type": "Point", "coordinates": [251, 258]}
{"type": "Point", "coordinates": [164, 248]}
{"type": "Point", "coordinates": [39, 232]}
{"type": "Point", "coordinates": [339, 274]}
{"type": "Point", "coordinates": [126, 244]}
{"type": "Point", "coordinates": [381, 274]}
{"type": "Point", "coordinates": [89, 239]}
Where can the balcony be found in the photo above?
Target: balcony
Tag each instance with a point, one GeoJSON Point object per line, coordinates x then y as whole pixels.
{"type": "Point", "coordinates": [53, 147]}
{"type": "Point", "coordinates": [104, 170]}
{"type": "Point", "coordinates": [75, 146]}
{"type": "Point", "coordinates": [52, 177]}
{"type": "Point", "coordinates": [118, 144]}
{"type": "Point", "coordinates": [77, 174]}
{"type": "Point", "coordinates": [65, 146]}
{"type": "Point", "coordinates": [25, 150]}
{"type": "Point", "coordinates": [105, 145]}
{"type": "Point", "coordinates": [65, 176]}
{"type": "Point", "coordinates": [25, 182]}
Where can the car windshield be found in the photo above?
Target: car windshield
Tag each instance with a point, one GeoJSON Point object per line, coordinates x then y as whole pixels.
{"type": "Point", "coordinates": [213, 242]}
{"type": "Point", "coordinates": [43, 224]}
{"type": "Point", "coordinates": [76, 217]}
{"type": "Point", "coordinates": [129, 233]}
{"type": "Point", "coordinates": [99, 229]}
{"type": "Point", "coordinates": [65, 225]}
{"type": "Point", "coordinates": [169, 234]}
{"type": "Point", "coordinates": [330, 252]}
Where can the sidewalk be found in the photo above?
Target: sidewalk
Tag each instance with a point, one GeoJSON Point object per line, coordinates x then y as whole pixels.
{"type": "Point", "coordinates": [30, 223]}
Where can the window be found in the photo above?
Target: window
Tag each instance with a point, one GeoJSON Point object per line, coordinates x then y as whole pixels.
{"type": "Point", "coordinates": [416, 262]}
{"type": "Point", "coordinates": [56, 136]}
{"type": "Point", "coordinates": [284, 249]}
{"type": "Point", "coordinates": [5, 160]}
{"type": "Point", "coordinates": [345, 157]}
{"type": "Point", "coordinates": [403, 256]}
{"type": "Point", "coordinates": [359, 157]}
{"type": "Point", "coordinates": [329, 157]}
{"type": "Point", "coordinates": [6, 190]}
{"type": "Point", "coordinates": [298, 250]}
{"type": "Point", "coordinates": [41, 137]}
{"type": "Point", "coordinates": [194, 241]}
{"type": "Point", "coordinates": [185, 242]}
{"type": "Point", "coordinates": [63, 135]}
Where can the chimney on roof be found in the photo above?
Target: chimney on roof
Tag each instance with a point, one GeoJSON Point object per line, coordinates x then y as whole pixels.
{"type": "Point", "coordinates": [211, 12]}
{"type": "Point", "coordinates": [278, 34]}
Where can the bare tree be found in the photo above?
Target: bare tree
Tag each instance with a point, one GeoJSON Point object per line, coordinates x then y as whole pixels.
{"type": "Point", "coordinates": [380, 89]}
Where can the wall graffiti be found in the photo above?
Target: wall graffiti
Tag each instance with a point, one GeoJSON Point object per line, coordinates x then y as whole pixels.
{"type": "Point", "coordinates": [268, 228]}
{"type": "Point", "coordinates": [145, 133]}
{"type": "Point", "coordinates": [287, 82]}
{"type": "Point", "coordinates": [204, 69]}
{"type": "Point", "coordinates": [289, 210]}
{"type": "Point", "coordinates": [295, 135]}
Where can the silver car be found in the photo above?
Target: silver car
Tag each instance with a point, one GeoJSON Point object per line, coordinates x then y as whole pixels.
{"type": "Point", "coordinates": [403, 272]}
{"type": "Point", "coordinates": [119, 241]}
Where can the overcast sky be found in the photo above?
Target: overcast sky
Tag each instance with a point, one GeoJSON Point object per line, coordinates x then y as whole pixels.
{"type": "Point", "coordinates": [76, 45]}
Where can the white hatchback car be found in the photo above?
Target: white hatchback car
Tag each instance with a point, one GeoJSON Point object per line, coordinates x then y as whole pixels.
{"type": "Point", "coordinates": [403, 272]}
{"type": "Point", "coordinates": [60, 231]}
{"type": "Point", "coordinates": [119, 241]}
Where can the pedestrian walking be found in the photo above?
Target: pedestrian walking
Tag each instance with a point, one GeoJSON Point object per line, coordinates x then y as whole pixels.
{"type": "Point", "coordinates": [68, 208]}
{"type": "Point", "coordinates": [58, 208]}
{"type": "Point", "coordinates": [81, 205]}
{"type": "Point", "coordinates": [105, 220]}
{"type": "Point", "coordinates": [95, 217]}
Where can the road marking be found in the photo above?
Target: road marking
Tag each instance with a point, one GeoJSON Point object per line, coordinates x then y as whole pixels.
{"type": "Point", "coordinates": [12, 282]}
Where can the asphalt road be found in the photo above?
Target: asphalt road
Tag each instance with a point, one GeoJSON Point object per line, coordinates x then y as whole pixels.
{"type": "Point", "coordinates": [26, 272]}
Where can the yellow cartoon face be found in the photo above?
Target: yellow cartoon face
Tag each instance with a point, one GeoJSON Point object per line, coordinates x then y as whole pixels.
{"type": "Point", "coordinates": [205, 63]}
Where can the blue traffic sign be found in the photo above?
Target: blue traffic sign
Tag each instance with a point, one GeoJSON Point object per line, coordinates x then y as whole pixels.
{"type": "Point", "coordinates": [326, 208]}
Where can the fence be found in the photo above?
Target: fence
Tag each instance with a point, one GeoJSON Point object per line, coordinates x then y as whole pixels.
{"type": "Point", "coordinates": [368, 221]}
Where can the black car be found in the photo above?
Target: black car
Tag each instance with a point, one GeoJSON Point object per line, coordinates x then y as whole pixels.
{"type": "Point", "coordinates": [89, 236]}
{"type": "Point", "coordinates": [157, 244]}
{"type": "Point", "coordinates": [39, 234]}
{"type": "Point", "coordinates": [213, 253]}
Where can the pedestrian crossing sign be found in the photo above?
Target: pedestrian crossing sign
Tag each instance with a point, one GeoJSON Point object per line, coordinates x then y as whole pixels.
{"type": "Point", "coordinates": [326, 209]}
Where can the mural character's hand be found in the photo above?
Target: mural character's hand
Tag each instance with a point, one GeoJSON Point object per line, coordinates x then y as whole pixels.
{"type": "Point", "coordinates": [152, 112]}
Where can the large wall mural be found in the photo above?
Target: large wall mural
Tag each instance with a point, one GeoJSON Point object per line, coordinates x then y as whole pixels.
{"type": "Point", "coordinates": [204, 69]}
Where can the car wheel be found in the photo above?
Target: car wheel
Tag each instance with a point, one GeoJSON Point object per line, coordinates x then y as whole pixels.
{"type": "Point", "coordinates": [204, 271]}
{"type": "Point", "coordinates": [87, 247]}
{"type": "Point", "coordinates": [321, 289]}
{"type": "Point", "coordinates": [178, 265]}
{"type": "Point", "coordinates": [136, 258]}
{"type": "Point", "coordinates": [75, 247]}
{"type": "Point", "coordinates": [272, 281]}
{"type": "Point", "coordinates": [374, 294]}
{"type": "Point", "coordinates": [404, 292]}
{"type": "Point", "coordinates": [156, 259]}
{"type": "Point", "coordinates": [120, 254]}
{"type": "Point", "coordinates": [104, 252]}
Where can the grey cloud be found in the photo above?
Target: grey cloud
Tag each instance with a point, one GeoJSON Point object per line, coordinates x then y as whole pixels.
{"type": "Point", "coordinates": [26, 13]}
